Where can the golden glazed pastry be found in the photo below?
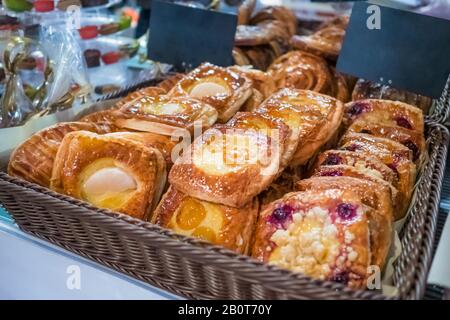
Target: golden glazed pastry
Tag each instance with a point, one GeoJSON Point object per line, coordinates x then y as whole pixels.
{"type": "Point", "coordinates": [253, 102]}
{"type": "Point", "coordinates": [395, 155]}
{"type": "Point", "coordinates": [144, 92]}
{"type": "Point", "coordinates": [385, 112]}
{"type": "Point", "coordinates": [359, 172]}
{"type": "Point", "coordinates": [301, 70]}
{"type": "Point", "coordinates": [276, 13]}
{"type": "Point", "coordinates": [164, 144]}
{"type": "Point", "coordinates": [262, 81]}
{"type": "Point", "coordinates": [375, 195]}
{"type": "Point", "coordinates": [313, 118]}
{"type": "Point", "coordinates": [166, 115]}
{"type": "Point", "coordinates": [365, 89]}
{"type": "Point", "coordinates": [226, 165]}
{"type": "Point", "coordinates": [276, 129]}
{"type": "Point", "coordinates": [229, 227]}
{"type": "Point", "coordinates": [413, 140]}
{"type": "Point", "coordinates": [33, 159]}
{"type": "Point", "coordinates": [324, 234]}
{"type": "Point", "coordinates": [363, 162]}
{"type": "Point", "coordinates": [221, 88]}
{"type": "Point", "coordinates": [110, 172]}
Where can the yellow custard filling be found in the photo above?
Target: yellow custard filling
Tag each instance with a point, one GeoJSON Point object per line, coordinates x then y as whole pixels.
{"type": "Point", "coordinates": [104, 184]}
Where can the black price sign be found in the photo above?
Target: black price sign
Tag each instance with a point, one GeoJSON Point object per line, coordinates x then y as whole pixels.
{"type": "Point", "coordinates": [185, 36]}
{"type": "Point", "coordinates": [403, 49]}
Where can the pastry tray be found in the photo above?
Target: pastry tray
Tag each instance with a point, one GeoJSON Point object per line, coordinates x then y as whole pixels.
{"type": "Point", "coordinates": [195, 269]}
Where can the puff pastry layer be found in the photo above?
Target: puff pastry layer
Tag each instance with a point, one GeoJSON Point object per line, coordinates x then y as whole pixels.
{"type": "Point", "coordinates": [222, 225]}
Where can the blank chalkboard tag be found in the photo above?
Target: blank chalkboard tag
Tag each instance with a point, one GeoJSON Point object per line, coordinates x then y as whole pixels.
{"type": "Point", "coordinates": [399, 48]}
{"type": "Point", "coordinates": [185, 36]}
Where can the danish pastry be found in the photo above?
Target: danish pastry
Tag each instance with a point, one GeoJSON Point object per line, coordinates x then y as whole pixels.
{"type": "Point", "coordinates": [377, 196]}
{"type": "Point", "coordinates": [324, 234]}
{"type": "Point", "coordinates": [166, 115]}
{"type": "Point", "coordinates": [164, 144]}
{"type": "Point", "coordinates": [313, 118]}
{"type": "Point", "coordinates": [414, 140]}
{"type": "Point", "coordinates": [33, 159]}
{"type": "Point", "coordinates": [360, 173]}
{"type": "Point", "coordinates": [394, 155]}
{"type": "Point", "coordinates": [168, 83]}
{"type": "Point", "coordinates": [301, 70]}
{"type": "Point", "coordinates": [385, 112]}
{"type": "Point", "coordinates": [221, 88]}
{"type": "Point", "coordinates": [229, 227]}
{"type": "Point", "coordinates": [274, 128]}
{"type": "Point", "coordinates": [227, 165]}
{"type": "Point", "coordinates": [363, 162]}
{"type": "Point", "coordinates": [110, 172]}
{"type": "Point", "coordinates": [262, 81]}
{"type": "Point", "coordinates": [365, 89]}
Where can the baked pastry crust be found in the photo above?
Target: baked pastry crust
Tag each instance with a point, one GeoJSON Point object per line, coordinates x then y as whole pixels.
{"type": "Point", "coordinates": [385, 112]}
{"type": "Point", "coordinates": [166, 115]}
{"type": "Point", "coordinates": [168, 83]}
{"type": "Point", "coordinates": [83, 154]}
{"type": "Point", "coordinates": [372, 194]}
{"type": "Point", "coordinates": [411, 139]}
{"type": "Point", "coordinates": [363, 162]}
{"type": "Point", "coordinates": [322, 233]}
{"type": "Point", "coordinates": [226, 165]}
{"type": "Point", "coordinates": [245, 11]}
{"type": "Point", "coordinates": [230, 90]}
{"type": "Point", "coordinates": [365, 89]}
{"type": "Point", "coordinates": [301, 70]}
{"type": "Point", "coordinates": [394, 155]}
{"type": "Point", "coordinates": [313, 118]}
{"type": "Point", "coordinates": [164, 144]}
{"type": "Point", "coordinates": [222, 225]}
{"type": "Point", "coordinates": [276, 129]}
{"type": "Point", "coordinates": [262, 81]}
{"type": "Point", "coordinates": [33, 159]}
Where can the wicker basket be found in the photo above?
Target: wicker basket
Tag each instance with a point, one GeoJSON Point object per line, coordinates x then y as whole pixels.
{"type": "Point", "coordinates": [195, 269]}
{"type": "Point", "coordinates": [441, 109]}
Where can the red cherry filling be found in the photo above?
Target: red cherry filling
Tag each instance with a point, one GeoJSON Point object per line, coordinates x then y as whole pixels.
{"type": "Point", "coordinates": [352, 147]}
{"type": "Point", "coordinates": [331, 173]}
{"type": "Point", "coordinates": [341, 277]}
{"type": "Point", "coordinates": [346, 211]}
{"type": "Point", "coordinates": [332, 160]}
{"type": "Point", "coordinates": [357, 108]}
{"type": "Point", "coordinates": [281, 214]}
{"type": "Point", "coordinates": [403, 122]}
{"type": "Point", "coordinates": [413, 147]}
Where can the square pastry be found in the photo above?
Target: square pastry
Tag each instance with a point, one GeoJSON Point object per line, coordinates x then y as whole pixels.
{"type": "Point", "coordinates": [172, 116]}
{"type": "Point", "coordinates": [219, 87]}
{"type": "Point", "coordinates": [313, 118]}
{"type": "Point", "coordinates": [373, 194]}
{"type": "Point", "coordinates": [385, 112]}
{"type": "Point", "coordinates": [222, 225]}
{"type": "Point", "coordinates": [324, 234]}
{"type": "Point", "coordinates": [227, 165]}
{"type": "Point", "coordinates": [110, 172]}
{"type": "Point", "coordinates": [393, 154]}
